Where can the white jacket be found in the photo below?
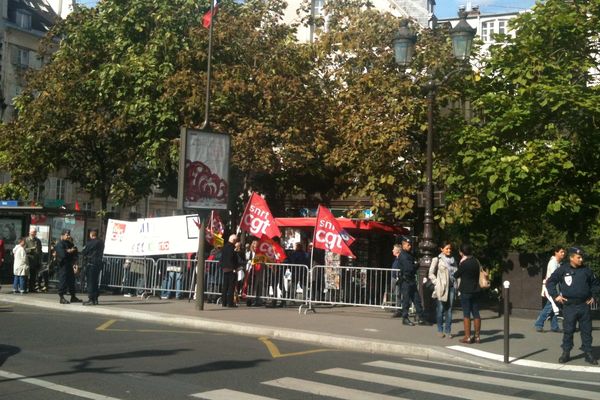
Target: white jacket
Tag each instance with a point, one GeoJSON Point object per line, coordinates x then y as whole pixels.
{"type": "Point", "coordinates": [20, 268]}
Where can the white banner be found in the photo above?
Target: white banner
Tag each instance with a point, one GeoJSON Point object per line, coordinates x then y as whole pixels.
{"type": "Point", "coordinates": [152, 236]}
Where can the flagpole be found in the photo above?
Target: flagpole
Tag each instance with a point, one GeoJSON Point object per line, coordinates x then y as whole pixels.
{"type": "Point", "coordinates": [206, 123]}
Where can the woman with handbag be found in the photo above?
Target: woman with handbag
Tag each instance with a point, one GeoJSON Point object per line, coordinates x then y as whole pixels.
{"type": "Point", "coordinates": [441, 274]}
{"type": "Point", "coordinates": [468, 272]}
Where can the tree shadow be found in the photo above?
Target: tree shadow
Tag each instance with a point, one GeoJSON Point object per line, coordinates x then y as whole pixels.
{"type": "Point", "coordinates": [7, 351]}
{"type": "Point", "coordinates": [212, 367]}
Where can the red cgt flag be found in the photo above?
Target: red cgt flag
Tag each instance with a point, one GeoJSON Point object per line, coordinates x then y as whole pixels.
{"type": "Point", "coordinates": [208, 17]}
{"type": "Point", "coordinates": [329, 235]}
{"type": "Point", "coordinates": [270, 249]}
{"type": "Point", "coordinates": [257, 218]}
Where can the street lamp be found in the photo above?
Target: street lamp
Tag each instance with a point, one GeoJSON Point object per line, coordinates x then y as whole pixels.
{"type": "Point", "coordinates": [404, 43]}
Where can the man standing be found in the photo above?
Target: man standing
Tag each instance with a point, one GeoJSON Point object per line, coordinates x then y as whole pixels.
{"type": "Point", "coordinates": [93, 251]}
{"type": "Point", "coordinates": [229, 263]}
{"type": "Point", "coordinates": [578, 285]}
{"type": "Point", "coordinates": [33, 249]}
{"type": "Point", "coordinates": [408, 283]}
{"type": "Point", "coordinates": [550, 307]}
{"type": "Point", "coordinates": [396, 250]}
{"type": "Point", "coordinates": [66, 254]}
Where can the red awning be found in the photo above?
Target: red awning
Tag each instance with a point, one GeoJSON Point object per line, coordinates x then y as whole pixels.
{"type": "Point", "coordinates": [345, 223]}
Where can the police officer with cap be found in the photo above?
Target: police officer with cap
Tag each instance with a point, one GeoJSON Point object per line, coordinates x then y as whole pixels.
{"type": "Point", "coordinates": [66, 254]}
{"type": "Point", "coordinates": [408, 283]}
{"type": "Point", "coordinates": [578, 286]}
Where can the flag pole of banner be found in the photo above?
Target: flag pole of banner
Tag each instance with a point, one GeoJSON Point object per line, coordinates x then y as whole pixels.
{"type": "Point", "coordinates": [329, 235]}
{"type": "Point", "coordinates": [257, 218]}
{"type": "Point", "coordinates": [210, 15]}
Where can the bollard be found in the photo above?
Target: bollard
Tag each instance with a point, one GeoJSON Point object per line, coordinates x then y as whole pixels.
{"type": "Point", "coordinates": [505, 296]}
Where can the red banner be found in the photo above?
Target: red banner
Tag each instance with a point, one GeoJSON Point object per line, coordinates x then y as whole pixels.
{"type": "Point", "coordinates": [270, 249]}
{"type": "Point", "coordinates": [329, 235]}
{"type": "Point", "coordinates": [257, 218]}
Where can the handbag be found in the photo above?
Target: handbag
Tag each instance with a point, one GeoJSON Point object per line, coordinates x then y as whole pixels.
{"type": "Point", "coordinates": [429, 285]}
{"type": "Point", "coordinates": [484, 281]}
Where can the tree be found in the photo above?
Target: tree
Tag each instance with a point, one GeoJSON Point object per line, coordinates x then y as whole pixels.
{"type": "Point", "coordinates": [525, 172]}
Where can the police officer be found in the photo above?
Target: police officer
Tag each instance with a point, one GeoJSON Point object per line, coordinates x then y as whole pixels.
{"type": "Point", "coordinates": [66, 254]}
{"type": "Point", "coordinates": [578, 285]}
{"type": "Point", "coordinates": [93, 251]}
{"type": "Point", "coordinates": [408, 283]}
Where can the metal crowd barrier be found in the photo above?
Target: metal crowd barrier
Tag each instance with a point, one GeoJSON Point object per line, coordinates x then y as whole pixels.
{"type": "Point", "coordinates": [273, 282]}
{"type": "Point", "coordinates": [353, 286]}
{"type": "Point", "coordinates": [129, 275]}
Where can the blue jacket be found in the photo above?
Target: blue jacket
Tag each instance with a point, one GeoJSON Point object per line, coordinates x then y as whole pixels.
{"type": "Point", "coordinates": [408, 266]}
{"type": "Point", "coordinates": [576, 284]}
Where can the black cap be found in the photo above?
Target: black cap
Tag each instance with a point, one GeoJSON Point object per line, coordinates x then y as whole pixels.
{"type": "Point", "coordinates": [66, 232]}
{"type": "Point", "coordinates": [575, 250]}
{"type": "Point", "coordinates": [405, 239]}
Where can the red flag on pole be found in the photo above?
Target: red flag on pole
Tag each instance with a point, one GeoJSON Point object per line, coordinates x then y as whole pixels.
{"type": "Point", "coordinates": [270, 249]}
{"type": "Point", "coordinates": [208, 17]}
{"type": "Point", "coordinates": [257, 218]}
{"type": "Point", "coordinates": [77, 207]}
{"type": "Point", "coordinates": [329, 235]}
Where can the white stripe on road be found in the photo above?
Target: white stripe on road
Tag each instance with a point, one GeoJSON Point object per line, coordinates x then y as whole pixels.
{"type": "Point", "coordinates": [413, 384]}
{"type": "Point", "coordinates": [55, 387]}
{"type": "Point", "coordinates": [525, 363]}
{"type": "Point", "coordinates": [226, 394]}
{"type": "Point", "coordinates": [511, 383]}
{"type": "Point", "coordinates": [323, 389]}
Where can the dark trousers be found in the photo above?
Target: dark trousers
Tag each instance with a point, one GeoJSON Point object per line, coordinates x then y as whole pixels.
{"type": "Point", "coordinates": [228, 288]}
{"type": "Point", "coordinates": [66, 280]}
{"type": "Point", "coordinates": [92, 275]}
{"type": "Point", "coordinates": [573, 313]}
{"type": "Point", "coordinates": [34, 270]}
{"type": "Point", "coordinates": [410, 294]}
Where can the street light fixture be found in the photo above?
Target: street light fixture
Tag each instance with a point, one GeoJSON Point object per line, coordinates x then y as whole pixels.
{"type": "Point", "coordinates": [404, 43]}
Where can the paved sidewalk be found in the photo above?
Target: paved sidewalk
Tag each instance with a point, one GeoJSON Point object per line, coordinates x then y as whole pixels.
{"type": "Point", "coordinates": [353, 328]}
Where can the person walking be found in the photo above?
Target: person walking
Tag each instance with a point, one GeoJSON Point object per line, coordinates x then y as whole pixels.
{"type": "Point", "coordinates": [550, 307]}
{"type": "Point", "coordinates": [441, 273]}
{"type": "Point", "coordinates": [20, 267]}
{"type": "Point", "coordinates": [577, 286]}
{"type": "Point", "coordinates": [93, 251]}
{"type": "Point", "coordinates": [408, 283]}
{"type": "Point", "coordinates": [396, 250]}
{"type": "Point", "coordinates": [33, 248]}
{"type": "Point", "coordinates": [229, 263]}
{"type": "Point", "coordinates": [468, 273]}
{"type": "Point", "coordinates": [66, 254]}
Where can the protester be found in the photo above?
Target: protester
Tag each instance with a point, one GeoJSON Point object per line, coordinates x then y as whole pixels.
{"type": "Point", "coordinates": [20, 267]}
{"type": "Point", "coordinates": [577, 287]}
{"type": "Point", "coordinates": [550, 308]}
{"type": "Point", "coordinates": [298, 278]}
{"type": "Point", "coordinates": [441, 273]}
{"type": "Point", "coordinates": [408, 283]}
{"type": "Point", "coordinates": [468, 272]}
{"type": "Point", "coordinates": [66, 254]}
{"type": "Point", "coordinates": [33, 248]}
{"type": "Point", "coordinates": [396, 250]}
{"type": "Point", "coordinates": [229, 263]}
{"type": "Point", "coordinates": [255, 276]}
{"type": "Point", "coordinates": [93, 251]}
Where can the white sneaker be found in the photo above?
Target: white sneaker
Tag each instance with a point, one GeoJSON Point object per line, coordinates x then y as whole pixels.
{"type": "Point", "coordinates": [127, 295]}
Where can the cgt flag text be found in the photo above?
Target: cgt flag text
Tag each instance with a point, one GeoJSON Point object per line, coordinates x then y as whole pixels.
{"type": "Point", "coordinates": [329, 235]}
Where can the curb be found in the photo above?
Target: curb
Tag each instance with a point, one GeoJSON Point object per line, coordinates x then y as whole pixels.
{"type": "Point", "coordinates": [339, 342]}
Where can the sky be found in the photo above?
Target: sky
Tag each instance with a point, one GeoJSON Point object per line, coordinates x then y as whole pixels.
{"type": "Point", "coordinates": [449, 8]}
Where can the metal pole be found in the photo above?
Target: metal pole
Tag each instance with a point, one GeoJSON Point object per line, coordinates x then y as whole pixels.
{"type": "Point", "coordinates": [206, 123]}
{"type": "Point", "coordinates": [200, 267]}
{"type": "Point", "coordinates": [505, 295]}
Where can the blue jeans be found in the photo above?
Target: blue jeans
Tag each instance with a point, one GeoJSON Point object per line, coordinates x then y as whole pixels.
{"type": "Point", "coordinates": [171, 276]}
{"type": "Point", "coordinates": [19, 283]}
{"type": "Point", "coordinates": [470, 305]}
{"type": "Point", "coordinates": [444, 311]}
{"type": "Point", "coordinates": [541, 319]}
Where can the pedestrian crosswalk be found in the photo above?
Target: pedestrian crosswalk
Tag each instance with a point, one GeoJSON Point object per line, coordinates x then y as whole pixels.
{"type": "Point", "coordinates": [387, 380]}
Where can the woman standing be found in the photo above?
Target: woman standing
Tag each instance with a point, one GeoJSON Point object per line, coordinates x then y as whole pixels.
{"type": "Point", "coordinates": [468, 272]}
{"type": "Point", "coordinates": [20, 267]}
{"type": "Point", "coordinates": [441, 273]}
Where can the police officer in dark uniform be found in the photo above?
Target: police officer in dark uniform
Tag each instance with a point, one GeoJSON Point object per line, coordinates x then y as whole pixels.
{"type": "Point", "coordinates": [66, 254]}
{"type": "Point", "coordinates": [93, 251]}
{"type": "Point", "coordinates": [578, 285]}
{"type": "Point", "coordinates": [408, 283]}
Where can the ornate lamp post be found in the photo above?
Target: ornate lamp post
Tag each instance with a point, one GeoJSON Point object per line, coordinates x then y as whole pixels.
{"type": "Point", "coordinates": [404, 44]}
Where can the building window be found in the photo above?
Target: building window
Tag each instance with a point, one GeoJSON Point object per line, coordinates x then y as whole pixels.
{"type": "Point", "coordinates": [487, 29]}
{"type": "Point", "coordinates": [23, 19]}
{"type": "Point", "coordinates": [37, 194]}
{"type": "Point", "coordinates": [57, 189]}
{"type": "Point", "coordinates": [502, 26]}
{"type": "Point", "coordinates": [20, 56]}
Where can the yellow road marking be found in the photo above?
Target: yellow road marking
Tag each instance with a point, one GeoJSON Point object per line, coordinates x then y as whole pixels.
{"type": "Point", "coordinates": [275, 353]}
{"type": "Point", "coordinates": [107, 327]}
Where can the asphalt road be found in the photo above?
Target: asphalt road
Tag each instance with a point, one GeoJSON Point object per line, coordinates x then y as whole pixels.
{"type": "Point", "coordinates": [58, 355]}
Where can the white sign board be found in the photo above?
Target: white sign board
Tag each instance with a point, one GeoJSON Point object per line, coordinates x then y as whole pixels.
{"type": "Point", "coordinates": [152, 236]}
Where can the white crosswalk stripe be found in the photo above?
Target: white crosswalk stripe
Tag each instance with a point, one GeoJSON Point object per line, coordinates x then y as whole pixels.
{"type": "Point", "coordinates": [512, 383]}
{"type": "Point", "coordinates": [325, 389]}
{"type": "Point", "coordinates": [413, 384]}
{"type": "Point", "coordinates": [226, 394]}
